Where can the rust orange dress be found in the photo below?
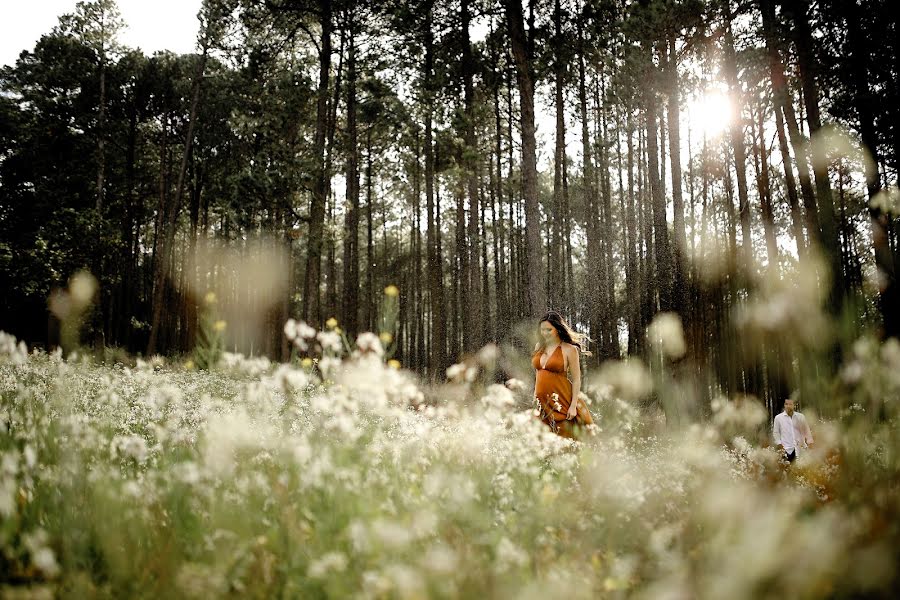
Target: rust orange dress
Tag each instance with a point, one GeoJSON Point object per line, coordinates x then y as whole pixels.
{"type": "Point", "coordinates": [554, 394]}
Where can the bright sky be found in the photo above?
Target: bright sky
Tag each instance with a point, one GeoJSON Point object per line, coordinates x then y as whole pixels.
{"type": "Point", "coordinates": [151, 26]}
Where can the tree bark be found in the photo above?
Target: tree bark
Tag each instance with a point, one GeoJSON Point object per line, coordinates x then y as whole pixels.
{"type": "Point", "coordinates": [351, 217]}
{"type": "Point", "coordinates": [680, 242]}
{"type": "Point", "coordinates": [437, 359]}
{"type": "Point", "coordinates": [537, 300]}
{"type": "Point", "coordinates": [782, 99]}
{"type": "Point", "coordinates": [311, 302]}
{"type": "Point", "coordinates": [170, 209]}
{"type": "Point", "coordinates": [858, 51]}
{"type": "Point", "coordinates": [476, 326]}
{"type": "Point", "coordinates": [736, 133]}
{"type": "Point", "coordinates": [803, 40]}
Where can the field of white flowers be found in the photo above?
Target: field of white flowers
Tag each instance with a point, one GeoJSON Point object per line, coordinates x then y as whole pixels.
{"type": "Point", "coordinates": [259, 480]}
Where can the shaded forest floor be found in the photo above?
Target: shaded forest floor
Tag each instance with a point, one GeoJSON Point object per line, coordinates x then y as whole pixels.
{"type": "Point", "coordinates": [261, 480]}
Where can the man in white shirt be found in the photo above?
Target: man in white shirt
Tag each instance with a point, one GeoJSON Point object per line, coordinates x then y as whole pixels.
{"type": "Point", "coordinates": [791, 431]}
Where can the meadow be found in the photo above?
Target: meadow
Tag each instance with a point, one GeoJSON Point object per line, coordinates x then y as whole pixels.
{"type": "Point", "coordinates": [353, 479]}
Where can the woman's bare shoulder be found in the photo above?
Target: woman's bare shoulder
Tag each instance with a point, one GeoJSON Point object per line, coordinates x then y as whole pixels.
{"type": "Point", "coordinates": [570, 348]}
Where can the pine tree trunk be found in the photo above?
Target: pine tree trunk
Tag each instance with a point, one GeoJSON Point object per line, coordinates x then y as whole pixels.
{"type": "Point", "coordinates": [680, 242]}
{"type": "Point", "coordinates": [736, 133]}
{"type": "Point", "coordinates": [438, 341]}
{"type": "Point", "coordinates": [590, 191]}
{"type": "Point", "coordinates": [803, 40]}
{"type": "Point", "coordinates": [169, 210]}
{"type": "Point", "coordinates": [537, 300]}
{"type": "Point", "coordinates": [662, 255]}
{"type": "Point", "coordinates": [351, 217]}
{"type": "Point", "coordinates": [331, 301]}
{"type": "Point", "coordinates": [311, 310]}
{"type": "Point", "coordinates": [781, 98]}
{"type": "Point", "coordinates": [857, 43]}
{"type": "Point", "coordinates": [370, 304]}
{"type": "Point", "coordinates": [477, 324]}
{"type": "Point", "coordinates": [500, 262]}
{"type": "Point", "coordinates": [762, 161]}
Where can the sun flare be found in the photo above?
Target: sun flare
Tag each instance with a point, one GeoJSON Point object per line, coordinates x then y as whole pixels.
{"type": "Point", "coordinates": [711, 113]}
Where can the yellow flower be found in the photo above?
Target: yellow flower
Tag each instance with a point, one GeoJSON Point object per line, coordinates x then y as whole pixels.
{"type": "Point", "coordinates": [189, 365]}
{"type": "Point", "coordinates": [385, 337]}
{"type": "Point", "coordinates": [220, 325]}
{"type": "Point", "coordinates": [210, 298]}
{"type": "Point", "coordinates": [331, 323]}
{"type": "Point", "coordinates": [394, 363]}
{"type": "Point", "coordinates": [306, 362]}
{"type": "Point", "coordinates": [391, 291]}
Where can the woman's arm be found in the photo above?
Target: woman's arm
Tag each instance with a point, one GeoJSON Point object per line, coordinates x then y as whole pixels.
{"type": "Point", "coordinates": [575, 364]}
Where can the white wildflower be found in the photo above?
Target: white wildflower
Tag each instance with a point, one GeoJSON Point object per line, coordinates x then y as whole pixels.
{"type": "Point", "coordinates": [327, 563]}
{"type": "Point", "coordinates": [440, 560]}
{"type": "Point", "coordinates": [509, 555]}
{"type": "Point", "coordinates": [328, 365]}
{"type": "Point", "coordinates": [456, 372]}
{"type": "Point", "coordinates": [369, 343]}
{"type": "Point", "coordinates": [498, 396]}
{"type": "Point", "coordinates": [30, 456]}
{"type": "Point", "coordinates": [330, 341]}
{"type": "Point", "coordinates": [305, 331]}
{"type": "Point", "coordinates": [131, 446]}
{"type": "Point", "coordinates": [290, 329]}
{"type": "Point", "coordinates": [287, 377]}
{"type": "Point", "coordinates": [516, 385]}
{"type": "Point", "coordinates": [45, 560]}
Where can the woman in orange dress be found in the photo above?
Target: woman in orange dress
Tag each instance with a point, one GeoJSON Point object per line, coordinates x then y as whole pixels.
{"type": "Point", "coordinates": [554, 355]}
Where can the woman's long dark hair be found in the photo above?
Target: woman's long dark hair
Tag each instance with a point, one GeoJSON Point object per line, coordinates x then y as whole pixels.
{"type": "Point", "coordinates": [566, 333]}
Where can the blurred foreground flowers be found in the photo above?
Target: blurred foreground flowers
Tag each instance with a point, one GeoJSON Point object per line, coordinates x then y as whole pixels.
{"type": "Point", "coordinates": [303, 480]}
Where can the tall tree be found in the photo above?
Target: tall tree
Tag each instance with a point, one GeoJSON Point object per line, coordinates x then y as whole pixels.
{"type": "Point", "coordinates": [536, 287]}
{"type": "Point", "coordinates": [477, 322]}
{"type": "Point", "coordinates": [311, 310]}
{"type": "Point", "coordinates": [351, 216]}
{"type": "Point", "coordinates": [857, 57]}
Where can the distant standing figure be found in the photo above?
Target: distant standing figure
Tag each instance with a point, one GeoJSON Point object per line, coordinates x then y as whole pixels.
{"type": "Point", "coordinates": [554, 355]}
{"type": "Point", "coordinates": [791, 431]}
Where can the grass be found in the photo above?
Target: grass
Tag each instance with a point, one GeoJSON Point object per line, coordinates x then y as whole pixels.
{"type": "Point", "coordinates": [256, 480]}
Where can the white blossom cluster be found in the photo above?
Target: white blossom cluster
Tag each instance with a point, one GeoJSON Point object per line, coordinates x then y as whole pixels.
{"type": "Point", "coordinates": [262, 479]}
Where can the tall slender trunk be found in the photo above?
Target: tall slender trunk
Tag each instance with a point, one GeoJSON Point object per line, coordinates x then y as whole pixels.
{"type": "Point", "coordinates": [331, 302]}
{"type": "Point", "coordinates": [476, 323]}
{"type": "Point", "coordinates": [631, 269]}
{"type": "Point", "coordinates": [858, 46]}
{"type": "Point", "coordinates": [537, 300]}
{"type": "Point", "coordinates": [663, 297]}
{"type": "Point", "coordinates": [765, 196]}
{"type": "Point", "coordinates": [590, 190]}
{"type": "Point", "coordinates": [369, 323]}
{"type": "Point", "coordinates": [500, 263]}
{"type": "Point", "coordinates": [555, 268]}
{"type": "Point", "coordinates": [781, 99]}
{"type": "Point", "coordinates": [736, 134]}
{"type": "Point", "coordinates": [437, 359]}
{"type": "Point", "coordinates": [803, 40]}
{"type": "Point", "coordinates": [170, 208]}
{"type": "Point", "coordinates": [608, 339]}
{"type": "Point", "coordinates": [351, 217]}
{"type": "Point", "coordinates": [673, 112]}
{"type": "Point", "coordinates": [311, 310]}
